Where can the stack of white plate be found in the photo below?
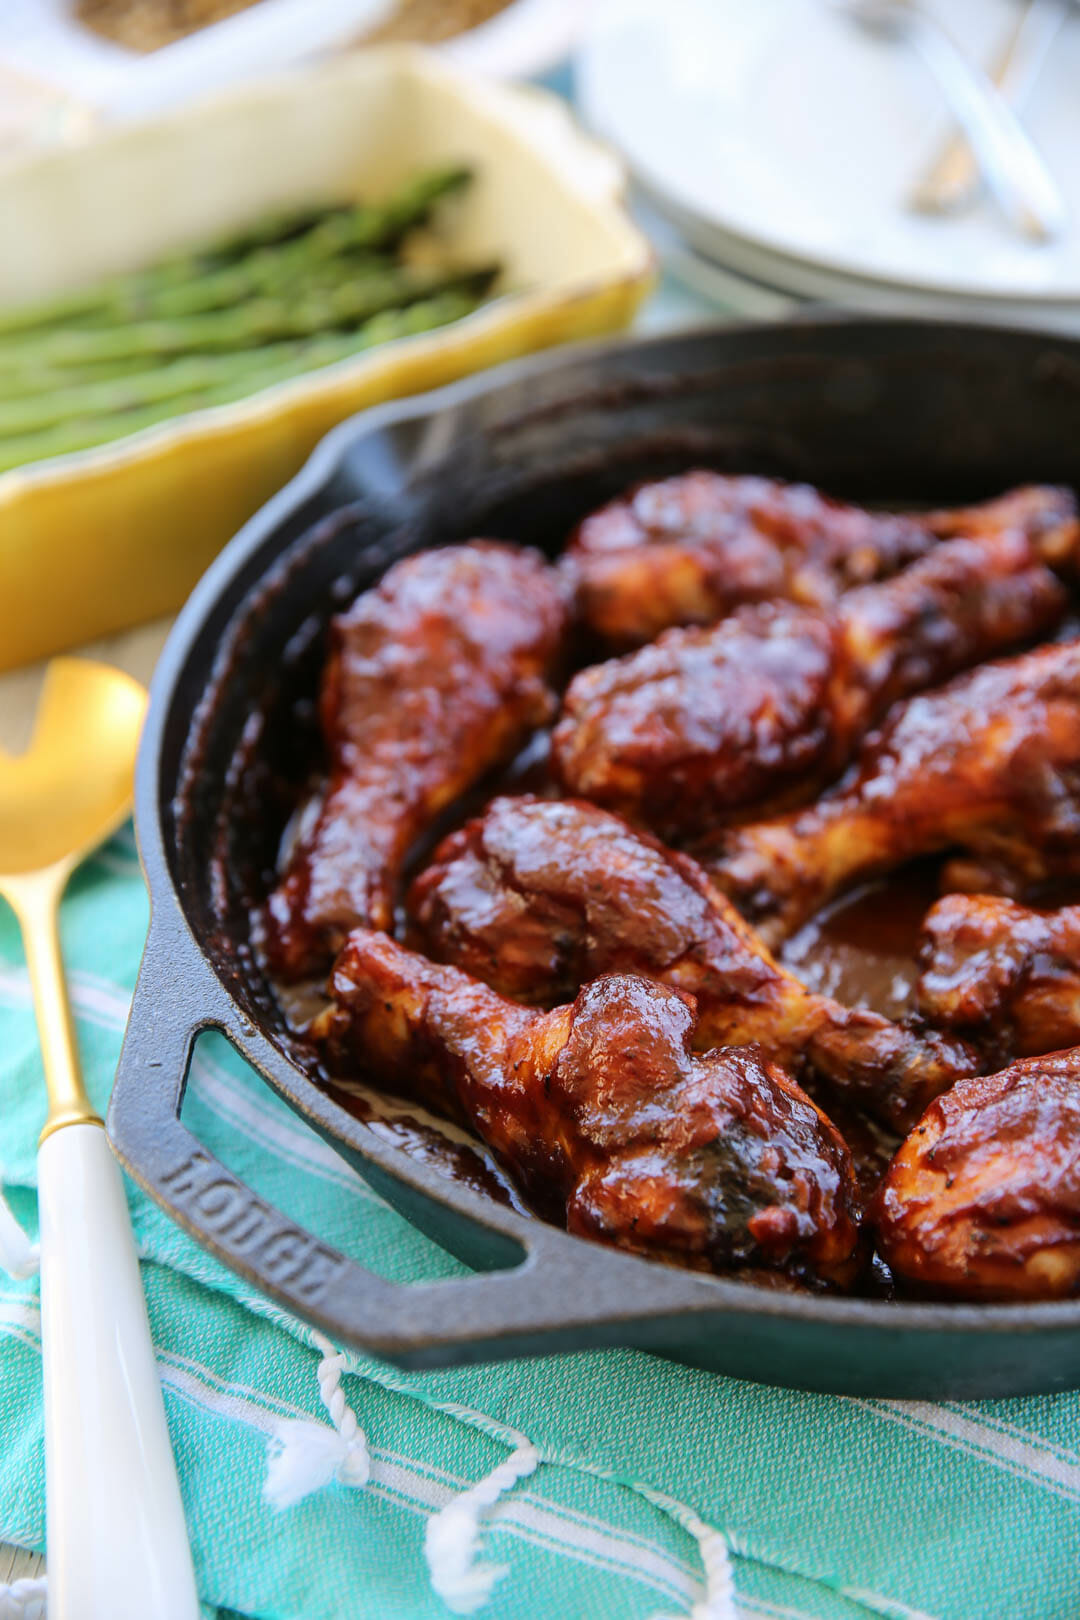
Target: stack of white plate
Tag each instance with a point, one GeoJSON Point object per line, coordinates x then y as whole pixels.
{"type": "Point", "coordinates": [781, 140]}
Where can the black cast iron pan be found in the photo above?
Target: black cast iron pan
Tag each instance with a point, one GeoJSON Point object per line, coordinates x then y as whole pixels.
{"type": "Point", "coordinates": [892, 411]}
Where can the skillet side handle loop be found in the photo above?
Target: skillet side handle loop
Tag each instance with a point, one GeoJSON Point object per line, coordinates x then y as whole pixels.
{"type": "Point", "coordinates": [212, 1204]}
{"type": "Point", "coordinates": [310, 1278]}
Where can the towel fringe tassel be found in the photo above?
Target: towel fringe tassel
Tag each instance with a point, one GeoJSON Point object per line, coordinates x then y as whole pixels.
{"type": "Point", "coordinates": [452, 1534]}
{"type": "Point", "coordinates": [717, 1602]}
{"type": "Point", "coordinates": [23, 1600]}
{"type": "Point", "coordinates": [308, 1455]}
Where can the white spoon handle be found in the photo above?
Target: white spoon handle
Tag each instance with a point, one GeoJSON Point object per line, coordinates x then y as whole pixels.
{"type": "Point", "coordinates": [117, 1544]}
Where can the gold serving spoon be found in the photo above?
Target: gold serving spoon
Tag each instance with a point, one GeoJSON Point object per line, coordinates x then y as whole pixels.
{"type": "Point", "coordinates": [116, 1539]}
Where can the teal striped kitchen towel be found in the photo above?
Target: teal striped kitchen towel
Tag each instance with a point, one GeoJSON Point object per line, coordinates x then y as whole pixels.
{"type": "Point", "coordinates": [608, 1484]}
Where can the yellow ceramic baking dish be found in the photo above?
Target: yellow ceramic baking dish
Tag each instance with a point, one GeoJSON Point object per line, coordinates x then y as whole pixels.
{"type": "Point", "coordinates": [96, 541]}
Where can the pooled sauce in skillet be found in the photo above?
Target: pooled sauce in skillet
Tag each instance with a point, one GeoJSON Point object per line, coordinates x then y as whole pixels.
{"type": "Point", "coordinates": [861, 948]}
{"type": "Point", "coordinates": [436, 1142]}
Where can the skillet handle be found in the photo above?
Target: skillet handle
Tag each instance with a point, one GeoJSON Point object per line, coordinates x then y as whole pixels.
{"type": "Point", "coordinates": [565, 1293]}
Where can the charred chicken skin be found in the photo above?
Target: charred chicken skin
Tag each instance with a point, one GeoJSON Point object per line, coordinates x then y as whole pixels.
{"type": "Point", "coordinates": [982, 1201]}
{"type": "Point", "coordinates": [1009, 977]}
{"type": "Point", "coordinates": [536, 897]}
{"type": "Point", "coordinates": [604, 1114]}
{"type": "Point", "coordinates": [990, 765]}
{"type": "Point", "coordinates": [761, 710]}
{"type": "Point", "coordinates": [691, 549]}
{"type": "Point", "coordinates": [434, 678]}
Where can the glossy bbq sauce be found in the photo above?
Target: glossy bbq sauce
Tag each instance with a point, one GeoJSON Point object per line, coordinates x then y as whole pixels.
{"type": "Point", "coordinates": [861, 950]}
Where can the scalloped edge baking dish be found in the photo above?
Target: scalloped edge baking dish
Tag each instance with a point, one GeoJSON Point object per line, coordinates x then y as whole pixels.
{"type": "Point", "coordinates": [96, 541]}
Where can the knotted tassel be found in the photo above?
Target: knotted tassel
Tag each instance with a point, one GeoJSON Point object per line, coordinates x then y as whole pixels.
{"type": "Point", "coordinates": [309, 1455]}
{"type": "Point", "coordinates": [450, 1541]}
{"type": "Point", "coordinates": [23, 1600]}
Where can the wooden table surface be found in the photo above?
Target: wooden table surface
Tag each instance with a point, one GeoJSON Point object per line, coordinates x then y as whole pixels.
{"type": "Point", "coordinates": [16, 1565]}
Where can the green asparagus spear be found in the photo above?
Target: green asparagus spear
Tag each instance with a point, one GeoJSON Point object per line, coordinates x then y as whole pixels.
{"type": "Point", "coordinates": [269, 273]}
{"type": "Point", "coordinates": [263, 320]}
{"type": "Point", "coordinates": [33, 378]}
{"type": "Point", "coordinates": [373, 225]}
{"type": "Point", "coordinates": [109, 299]}
{"type": "Point", "coordinates": [194, 375]}
{"type": "Point", "coordinates": [260, 259]}
{"type": "Point", "coordinates": [357, 234]}
{"type": "Point", "coordinates": [285, 296]}
{"type": "Point", "coordinates": [271, 229]}
{"type": "Point", "coordinates": [125, 393]}
{"type": "Point", "coordinates": [84, 432]}
{"type": "Point", "coordinates": [32, 381]}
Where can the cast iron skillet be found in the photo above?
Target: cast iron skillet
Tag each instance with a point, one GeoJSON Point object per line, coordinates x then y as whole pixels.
{"type": "Point", "coordinates": [889, 411]}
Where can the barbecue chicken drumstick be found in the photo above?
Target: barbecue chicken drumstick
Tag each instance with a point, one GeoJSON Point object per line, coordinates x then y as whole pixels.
{"type": "Point", "coordinates": [603, 1113]}
{"type": "Point", "coordinates": [990, 765]}
{"type": "Point", "coordinates": [1046, 513]}
{"type": "Point", "coordinates": [760, 711]}
{"type": "Point", "coordinates": [1005, 975]}
{"type": "Point", "coordinates": [536, 897]}
{"type": "Point", "coordinates": [434, 678]}
{"type": "Point", "coordinates": [691, 549]}
{"type": "Point", "coordinates": [982, 1201]}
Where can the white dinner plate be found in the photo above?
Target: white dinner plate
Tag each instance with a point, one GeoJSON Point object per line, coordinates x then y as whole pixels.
{"type": "Point", "coordinates": [783, 139]}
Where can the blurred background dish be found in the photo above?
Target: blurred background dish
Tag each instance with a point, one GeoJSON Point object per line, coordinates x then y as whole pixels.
{"type": "Point", "coordinates": [45, 41]}
{"type": "Point", "coordinates": [782, 142]}
{"type": "Point", "coordinates": [134, 58]}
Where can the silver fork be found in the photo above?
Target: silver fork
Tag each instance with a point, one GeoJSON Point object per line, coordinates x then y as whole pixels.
{"type": "Point", "coordinates": [1011, 163]}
